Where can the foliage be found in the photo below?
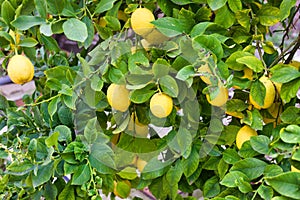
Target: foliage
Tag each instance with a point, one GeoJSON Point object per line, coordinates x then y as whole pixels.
{"type": "Point", "coordinates": [66, 142]}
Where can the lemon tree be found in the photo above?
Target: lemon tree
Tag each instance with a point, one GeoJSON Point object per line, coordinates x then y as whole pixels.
{"type": "Point", "coordinates": [172, 96]}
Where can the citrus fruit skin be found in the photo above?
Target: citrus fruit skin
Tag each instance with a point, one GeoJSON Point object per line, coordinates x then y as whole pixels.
{"type": "Point", "coordinates": [294, 169]}
{"type": "Point", "coordinates": [270, 94]}
{"type": "Point", "coordinates": [20, 69]}
{"type": "Point", "coordinates": [220, 99]}
{"type": "Point", "coordinates": [274, 110]}
{"type": "Point", "coordinates": [118, 97]}
{"type": "Point", "coordinates": [244, 134]}
{"type": "Point", "coordinates": [140, 164]}
{"type": "Point", "coordinates": [161, 105]}
{"type": "Point", "coordinates": [140, 21]}
{"type": "Point", "coordinates": [248, 73]}
{"type": "Point", "coordinates": [205, 70]}
{"type": "Point", "coordinates": [136, 127]}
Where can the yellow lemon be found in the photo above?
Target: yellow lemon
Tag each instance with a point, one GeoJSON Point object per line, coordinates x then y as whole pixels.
{"type": "Point", "coordinates": [140, 21]}
{"type": "Point", "coordinates": [20, 69]}
{"type": "Point", "coordinates": [161, 105]}
{"type": "Point", "coordinates": [140, 164]}
{"type": "Point", "coordinates": [155, 37]}
{"type": "Point", "coordinates": [243, 135]}
{"type": "Point", "coordinates": [138, 128]}
{"type": "Point", "coordinates": [294, 169]}
{"type": "Point", "coordinates": [220, 99]}
{"type": "Point", "coordinates": [248, 73]}
{"type": "Point", "coordinates": [118, 97]}
{"type": "Point", "coordinates": [295, 64]}
{"type": "Point", "coordinates": [270, 94]}
{"type": "Point", "coordinates": [206, 73]}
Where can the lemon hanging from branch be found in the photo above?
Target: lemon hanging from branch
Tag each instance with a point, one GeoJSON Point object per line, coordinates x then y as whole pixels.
{"type": "Point", "coordinates": [20, 69]}
{"type": "Point", "coordinates": [243, 135]}
{"type": "Point", "coordinates": [118, 97]}
{"type": "Point", "coordinates": [161, 105]}
{"type": "Point", "coordinates": [141, 20]}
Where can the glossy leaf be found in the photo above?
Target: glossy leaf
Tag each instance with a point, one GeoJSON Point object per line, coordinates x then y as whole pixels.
{"type": "Point", "coordinates": [75, 30]}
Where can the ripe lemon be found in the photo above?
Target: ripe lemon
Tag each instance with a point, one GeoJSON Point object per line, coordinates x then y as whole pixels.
{"type": "Point", "coordinates": [20, 69]}
{"type": "Point", "coordinates": [243, 135]}
{"type": "Point", "coordinates": [140, 164]}
{"type": "Point", "coordinates": [248, 73]}
{"type": "Point", "coordinates": [140, 21]}
{"type": "Point", "coordinates": [206, 73]}
{"type": "Point", "coordinates": [274, 111]}
{"type": "Point", "coordinates": [136, 127]}
{"type": "Point", "coordinates": [155, 37]}
{"type": "Point", "coordinates": [221, 98]}
{"type": "Point", "coordinates": [294, 169]}
{"type": "Point", "coordinates": [270, 94]}
{"type": "Point", "coordinates": [118, 97]}
{"type": "Point", "coordinates": [161, 105]}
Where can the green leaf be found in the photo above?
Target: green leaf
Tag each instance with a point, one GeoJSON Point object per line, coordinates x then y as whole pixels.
{"type": "Point", "coordinates": [52, 140]}
{"type": "Point", "coordinates": [182, 141]}
{"type": "Point", "coordinates": [291, 115]}
{"type": "Point", "coordinates": [258, 92]}
{"type": "Point", "coordinates": [211, 187]}
{"type": "Point", "coordinates": [174, 174]}
{"type": "Point", "coordinates": [265, 192]}
{"type": "Point", "coordinates": [252, 62]}
{"type": "Point", "coordinates": [222, 168]}
{"type": "Point", "coordinates": [244, 186]}
{"type": "Point", "coordinates": [28, 42]}
{"type": "Point", "coordinates": [81, 175]}
{"type": "Point", "coordinates": [50, 191]}
{"type": "Point", "coordinates": [41, 7]}
{"type": "Point", "coordinates": [286, 184]}
{"type": "Point", "coordinates": [43, 175]}
{"type": "Point", "coordinates": [68, 193]}
{"type": "Point", "coordinates": [210, 43]}
{"type": "Point", "coordinates": [56, 6]}
{"type": "Point", "coordinates": [169, 86]}
{"type": "Point", "coordinates": [50, 43]}
{"type": "Point", "coordinates": [91, 31]}
{"type": "Point", "coordinates": [235, 5]}
{"type": "Point", "coordinates": [104, 5]}
{"type": "Point", "coordinates": [64, 133]}
{"type": "Point", "coordinates": [285, 74]}
{"type": "Point", "coordinates": [260, 144]}
{"type": "Point", "coordinates": [91, 130]}
{"type": "Point", "coordinates": [289, 90]}
{"type": "Point", "coordinates": [75, 29]}
{"type": "Point", "coordinates": [161, 67]}
{"type": "Point", "coordinates": [252, 167]}
{"type": "Point", "coordinates": [186, 72]}
{"type": "Point", "coordinates": [191, 163]}
{"type": "Point", "coordinates": [243, 18]}
{"type": "Point", "coordinates": [25, 22]}
{"type": "Point", "coordinates": [230, 156]}
{"type": "Point", "coordinates": [232, 60]}
{"type": "Point", "coordinates": [272, 170]}
{"type": "Point", "coordinates": [19, 168]}
{"type": "Point", "coordinates": [128, 173]}
{"type": "Point", "coordinates": [296, 155]}
{"type": "Point", "coordinates": [290, 134]}
{"type": "Point", "coordinates": [224, 17]}
{"type": "Point", "coordinates": [52, 107]}
{"type": "Point", "coordinates": [103, 162]}
{"type": "Point", "coordinates": [96, 83]}
{"type": "Point", "coordinates": [269, 15]}
{"type": "Point", "coordinates": [123, 189]}
{"type": "Point", "coordinates": [142, 95]}
{"type": "Point", "coordinates": [7, 12]}
{"type": "Point", "coordinates": [230, 178]}
{"type": "Point", "coordinates": [215, 5]}
{"type": "Point", "coordinates": [172, 27]}
{"type": "Point", "coordinates": [285, 8]}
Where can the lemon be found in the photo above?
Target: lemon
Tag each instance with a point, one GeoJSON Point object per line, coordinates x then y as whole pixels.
{"type": "Point", "coordinates": [205, 70]}
{"type": "Point", "coordinates": [270, 94]}
{"type": "Point", "coordinates": [274, 110]}
{"type": "Point", "coordinates": [118, 97]}
{"type": "Point", "coordinates": [124, 186]}
{"type": "Point", "coordinates": [294, 169]}
{"type": "Point", "coordinates": [248, 73]}
{"type": "Point", "coordinates": [20, 69]}
{"type": "Point", "coordinates": [161, 105]}
{"type": "Point", "coordinates": [140, 21]}
{"type": "Point", "coordinates": [243, 135]}
{"type": "Point", "coordinates": [155, 37]}
{"type": "Point", "coordinates": [140, 164]}
{"type": "Point", "coordinates": [138, 128]}
{"type": "Point", "coordinates": [221, 98]}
